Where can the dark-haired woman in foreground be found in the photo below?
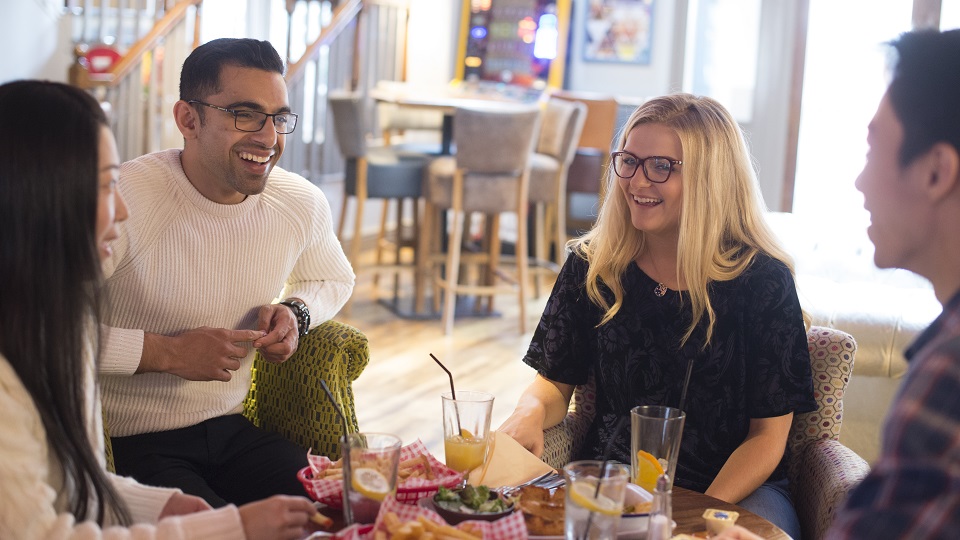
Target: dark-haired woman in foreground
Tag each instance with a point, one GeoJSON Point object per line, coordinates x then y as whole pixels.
{"type": "Point", "coordinates": [58, 211]}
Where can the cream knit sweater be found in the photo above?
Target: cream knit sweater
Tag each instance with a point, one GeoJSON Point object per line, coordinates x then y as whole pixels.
{"type": "Point", "coordinates": [34, 503]}
{"type": "Point", "coordinates": [183, 261]}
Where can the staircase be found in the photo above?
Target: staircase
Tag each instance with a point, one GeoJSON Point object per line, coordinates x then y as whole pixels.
{"type": "Point", "coordinates": [330, 45]}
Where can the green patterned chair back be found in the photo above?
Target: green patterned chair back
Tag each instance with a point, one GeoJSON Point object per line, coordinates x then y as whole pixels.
{"type": "Point", "coordinates": [287, 398]}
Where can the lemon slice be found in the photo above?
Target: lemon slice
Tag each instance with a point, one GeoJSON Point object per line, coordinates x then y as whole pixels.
{"type": "Point", "coordinates": [582, 493]}
{"type": "Point", "coordinates": [465, 433]}
{"type": "Point", "coordinates": [370, 483]}
{"type": "Point", "coordinates": [648, 470]}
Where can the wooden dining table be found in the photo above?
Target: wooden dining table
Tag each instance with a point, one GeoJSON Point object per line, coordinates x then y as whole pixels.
{"type": "Point", "coordinates": [689, 505]}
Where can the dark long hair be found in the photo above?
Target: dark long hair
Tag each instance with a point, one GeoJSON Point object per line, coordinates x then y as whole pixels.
{"type": "Point", "coordinates": [50, 269]}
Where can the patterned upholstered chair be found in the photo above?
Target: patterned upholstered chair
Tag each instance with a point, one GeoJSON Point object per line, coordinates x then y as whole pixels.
{"type": "Point", "coordinates": [287, 398]}
{"type": "Point", "coordinates": [822, 471]}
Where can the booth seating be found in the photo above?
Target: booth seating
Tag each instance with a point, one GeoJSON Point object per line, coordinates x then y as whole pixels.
{"type": "Point", "coordinates": [884, 310]}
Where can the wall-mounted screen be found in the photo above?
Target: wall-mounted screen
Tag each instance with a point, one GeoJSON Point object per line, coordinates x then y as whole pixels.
{"type": "Point", "coordinates": [520, 42]}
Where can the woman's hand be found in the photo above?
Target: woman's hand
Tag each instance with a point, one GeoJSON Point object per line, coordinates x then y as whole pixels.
{"type": "Point", "coordinates": [180, 504]}
{"type": "Point", "coordinates": [279, 517]}
{"type": "Point", "coordinates": [542, 405]}
{"type": "Point", "coordinates": [526, 428]}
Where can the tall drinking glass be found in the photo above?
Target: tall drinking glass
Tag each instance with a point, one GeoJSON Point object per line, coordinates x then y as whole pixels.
{"type": "Point", "coordinates": [370, 463]}
{"type": "Point", "coordinates": [591, 512]}
{"type": "Point", "coordinates": [466, 429]}
{"type": "Point", "coordinates": [655, 443]}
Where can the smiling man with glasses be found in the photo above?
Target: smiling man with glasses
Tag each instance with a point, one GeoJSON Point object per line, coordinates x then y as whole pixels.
{"type": "Point", "coordinates": [217, 234]}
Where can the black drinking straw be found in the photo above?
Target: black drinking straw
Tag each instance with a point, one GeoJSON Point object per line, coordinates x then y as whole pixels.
{"type": "Point", "coordinates": [343, 419]}
{"type": "Point", "coordinates": [453, 393]}
{"type": "Point", "coordinates": [347, 511]}
{"type": "Point", "coordinates": [603, 469]}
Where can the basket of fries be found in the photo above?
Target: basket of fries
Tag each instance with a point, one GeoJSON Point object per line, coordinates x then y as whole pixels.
{"type": "Point", "coordinates": [402, 521]}
{"type": "Point", "coordinates": [419, 475]}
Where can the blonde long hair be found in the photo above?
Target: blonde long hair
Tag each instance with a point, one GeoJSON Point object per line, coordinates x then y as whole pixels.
{"type": "Point", "coordinates": [722, 225]}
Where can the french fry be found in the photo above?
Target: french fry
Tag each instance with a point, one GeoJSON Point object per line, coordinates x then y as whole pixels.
{"type": "Point", "coordinates": [427, 469]}
{"type": "Point", "coordinates": [423, 529]}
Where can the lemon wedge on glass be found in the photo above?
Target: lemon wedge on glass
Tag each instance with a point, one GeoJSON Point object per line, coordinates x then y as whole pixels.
{"type": "Point", "coordinates": [582, 493]}
{"type": "Point", "coordinates": [370, 483]}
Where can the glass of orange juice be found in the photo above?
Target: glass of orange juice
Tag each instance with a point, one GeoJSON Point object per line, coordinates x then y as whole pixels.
{"type": "Point", "coordinates": [466, 429]}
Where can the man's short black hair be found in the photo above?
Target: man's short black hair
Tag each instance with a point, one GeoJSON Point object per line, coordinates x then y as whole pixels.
{"type": "Point", "coordinates": [925, 90]}
{"type": "Point", "coordinates": [200, 76]}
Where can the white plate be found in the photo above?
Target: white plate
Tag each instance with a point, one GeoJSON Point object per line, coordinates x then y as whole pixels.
{"type": "Point", "coordinates": [632, 526]}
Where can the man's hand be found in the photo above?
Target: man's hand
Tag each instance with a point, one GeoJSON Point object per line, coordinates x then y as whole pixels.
{"type": "Point", "coordinates": [280, 338]}
{"type": "Point", "coordinates": [181, 503]}
{"type": "Point", "coordinates": [202, 354]}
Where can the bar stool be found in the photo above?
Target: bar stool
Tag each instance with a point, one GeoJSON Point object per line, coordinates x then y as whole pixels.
{"type": "Point", "coordinates": [375, 172]}
{"type": "Point", "coordinates": [490, 174]}
{"type": "Point", "coordinates": [556, 145]}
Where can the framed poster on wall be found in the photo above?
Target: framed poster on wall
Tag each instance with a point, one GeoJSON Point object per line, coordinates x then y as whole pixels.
{"type": "Point", "coordinates": [618, 31]}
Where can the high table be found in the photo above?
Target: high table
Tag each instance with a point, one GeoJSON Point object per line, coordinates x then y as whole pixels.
{"type": "Point", "coordinates": [688, 507]}
{"type": "Point", "coordinates": [447, 99]}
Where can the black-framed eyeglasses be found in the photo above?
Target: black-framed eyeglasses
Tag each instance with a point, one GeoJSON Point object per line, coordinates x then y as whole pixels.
{"type": "Point", "coordinates": [253, 121]}
{"type": "Point", "coordinates": [657, 169]}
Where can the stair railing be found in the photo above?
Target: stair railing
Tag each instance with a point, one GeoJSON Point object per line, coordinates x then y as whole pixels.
{"type": "Point", "coordinates": [140, 89]}
{"type": "Point", "coordinates": [365, 42]}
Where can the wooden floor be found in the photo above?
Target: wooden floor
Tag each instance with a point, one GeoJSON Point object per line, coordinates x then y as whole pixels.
{"type": "Point", "coordinates": [399, 392]}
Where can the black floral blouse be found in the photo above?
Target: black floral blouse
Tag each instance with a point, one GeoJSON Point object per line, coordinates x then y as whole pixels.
{"type": "Point", "coordinates": [757, 364]}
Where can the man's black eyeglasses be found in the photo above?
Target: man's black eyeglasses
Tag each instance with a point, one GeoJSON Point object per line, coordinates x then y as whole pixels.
{"type": "Point", "coordinates": [253, 121]}
{"type": "Point", "coordinates": [657, 169]}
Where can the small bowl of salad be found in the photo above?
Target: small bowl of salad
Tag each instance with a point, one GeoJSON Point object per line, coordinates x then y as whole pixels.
{"type": "Point", "coordinates": [468, 503]}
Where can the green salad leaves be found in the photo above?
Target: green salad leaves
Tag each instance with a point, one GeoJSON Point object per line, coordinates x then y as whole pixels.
{"type": "Point", "coordinates": [471, 500]}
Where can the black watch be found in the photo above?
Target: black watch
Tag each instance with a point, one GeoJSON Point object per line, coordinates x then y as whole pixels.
{"type": "Point", "coordinates": [302, 313]}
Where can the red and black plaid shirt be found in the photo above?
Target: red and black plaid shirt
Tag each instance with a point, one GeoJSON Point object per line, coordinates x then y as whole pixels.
{"type": "Point", "coordinates": [913, 490]}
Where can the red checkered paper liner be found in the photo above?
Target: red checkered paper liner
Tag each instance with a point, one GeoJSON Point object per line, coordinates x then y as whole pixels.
{"type": "Point", "coordinates": [510, 527]}
{"type": "Point", "coordinates": [409, 491]}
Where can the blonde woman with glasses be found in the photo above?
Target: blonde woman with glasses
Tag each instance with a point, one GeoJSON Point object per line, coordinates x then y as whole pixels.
{"type": "Point", "coordinates": [680, 296]}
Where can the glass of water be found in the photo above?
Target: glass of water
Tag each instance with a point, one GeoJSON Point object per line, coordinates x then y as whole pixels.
{"type": "Point", "coordinates": [594, 500]}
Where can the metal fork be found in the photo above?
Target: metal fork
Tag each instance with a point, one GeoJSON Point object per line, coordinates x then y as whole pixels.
{"type": "Point", "coordinates": [508, 491]}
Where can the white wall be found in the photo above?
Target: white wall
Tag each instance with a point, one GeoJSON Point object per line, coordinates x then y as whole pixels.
{"type": "Point", "coordinates": [36, 39]}
{"type": "Point", "coordinates": [432, 50]}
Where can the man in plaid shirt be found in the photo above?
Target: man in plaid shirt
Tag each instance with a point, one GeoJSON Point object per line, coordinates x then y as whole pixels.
{"type": "Point", "coordinates": [911, 187]}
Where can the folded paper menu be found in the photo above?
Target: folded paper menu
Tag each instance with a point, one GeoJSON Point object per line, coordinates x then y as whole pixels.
{"type": "Point", "coordinates": [510, 464]}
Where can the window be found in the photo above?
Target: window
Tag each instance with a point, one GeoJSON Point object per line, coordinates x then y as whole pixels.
{"type": "Point", "coordinates": [844, 78]}
{"type": "Point", "coordinates": [722, 38]}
